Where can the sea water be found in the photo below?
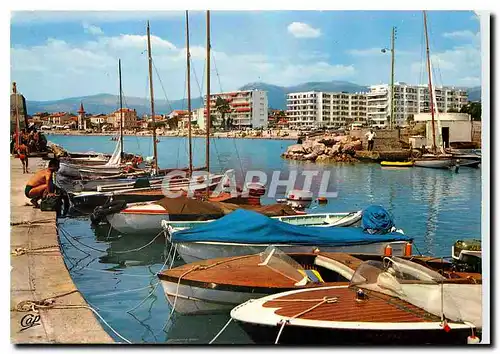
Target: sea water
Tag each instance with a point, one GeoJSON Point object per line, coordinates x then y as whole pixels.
{"type": "Point", "coordinates": [435, 207]}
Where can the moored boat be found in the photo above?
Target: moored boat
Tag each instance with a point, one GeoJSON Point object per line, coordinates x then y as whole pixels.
{"type": "Point", "coordinates": [218, 285]}
{"type": "Point", "coordinates": [244, 232]}
{"type": "Point", "coordinates": [390, 302]}
{"type": "Point", "coordinates": [436, 161]}
{"type": "Point", "coordinates": [397, 163]}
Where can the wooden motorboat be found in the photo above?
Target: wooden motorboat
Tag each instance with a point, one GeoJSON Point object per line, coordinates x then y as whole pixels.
{"type": "Point", "coordinates": [397, 163]}
{"type": "Point", "coordinates": [244, 232]}
{"type": "Point", "coordinates": [147, 217]}
{"type": "Point", "coordinates": [391, 302]}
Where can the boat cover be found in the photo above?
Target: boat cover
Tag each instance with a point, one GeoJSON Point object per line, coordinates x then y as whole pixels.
{"type": "Point", "coordinates": [244, 226]}
{"type": "Point", "coordinates": [376, 220]}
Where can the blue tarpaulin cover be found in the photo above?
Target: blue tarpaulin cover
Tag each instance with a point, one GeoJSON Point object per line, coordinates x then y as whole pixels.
{"type": "Point", "coordinates": [376, 220]}
{"type": "Point", "coordinates": [243, 226]}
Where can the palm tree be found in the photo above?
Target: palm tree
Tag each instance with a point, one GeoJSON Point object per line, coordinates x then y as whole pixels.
{"type": "Point", "coordinates": [222, 106]}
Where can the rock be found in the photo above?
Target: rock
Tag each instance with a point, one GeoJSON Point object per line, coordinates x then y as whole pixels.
{"type": "Point", "coordinates": [323, 158]}
{"type": "Point", "coordinates": [295, 149]}
{"type": "Point", "coordinates": [308, 146]}
{"type": "Point", "coordinates": [318, 148]}
{"type": "Point", "coordinates": [334, 150]}
{"type": "Point", "coordinates": [312, 156]}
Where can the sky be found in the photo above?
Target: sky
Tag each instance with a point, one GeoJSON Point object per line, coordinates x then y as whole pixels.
{"type": "Point", "coordinates": [57, 55]}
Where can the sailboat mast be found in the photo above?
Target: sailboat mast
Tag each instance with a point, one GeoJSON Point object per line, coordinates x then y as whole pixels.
{"type": "Point", "coordinates": [430, 84]}
{"type": "Point", "coordinates": [150, 61]}
{"type": "Point", "coordinates": [188, 58]}
{"type": "Point", "coordinates": [208, 119]}
{"type": "Point", "coordinates": [121, 107]}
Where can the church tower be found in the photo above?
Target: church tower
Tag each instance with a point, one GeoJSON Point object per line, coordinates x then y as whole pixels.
{"type": "Point", "coordinates": [81, 118]}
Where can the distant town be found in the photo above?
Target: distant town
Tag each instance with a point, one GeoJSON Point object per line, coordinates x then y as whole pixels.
{"type": "Point", "coordinates": [249, 109]}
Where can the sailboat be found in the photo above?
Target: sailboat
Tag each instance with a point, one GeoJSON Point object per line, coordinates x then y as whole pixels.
{"type": "Point", "coordinates": [115, 166]}
{"type": "Point", "coordinates": [437, 159]}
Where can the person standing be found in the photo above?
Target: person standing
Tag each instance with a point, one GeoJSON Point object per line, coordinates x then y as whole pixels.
{"type": "Point", "coordinates": [370, 136]}
{"type": "Point", "coordinates": [22, 152]}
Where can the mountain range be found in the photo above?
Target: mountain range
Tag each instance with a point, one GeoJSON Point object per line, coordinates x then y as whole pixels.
{"type": "Point", "coordinates": [105, 103]}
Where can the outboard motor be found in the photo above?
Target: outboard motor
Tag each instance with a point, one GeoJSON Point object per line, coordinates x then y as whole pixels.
{"type": "Point", "coordinates": [100, 212]}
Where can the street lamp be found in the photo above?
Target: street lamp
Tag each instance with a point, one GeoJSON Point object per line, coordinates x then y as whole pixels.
{"type": "Point", "coordinates": [385, 50]}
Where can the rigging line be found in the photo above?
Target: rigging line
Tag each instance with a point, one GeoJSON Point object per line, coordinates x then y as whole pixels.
{"type": "Point", "coordinates": [200, 87]}
{"type": "Point", "coordinates": [217, 72]}
{"type": "Point", "coordinates": [161, 83]}
{"type": "Point", "coordinates": [150, 146]}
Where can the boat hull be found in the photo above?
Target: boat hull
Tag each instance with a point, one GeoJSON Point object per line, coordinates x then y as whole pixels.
{"type": "Point", "coordinates": [197, 251]}
{"type": "Point", "coordinates": [397, 164]}
{"type": "Point", "coordinates": [191, 300]}
{"type": "Point", "coordinates": [436, 163]}
{"type": "Point", "coordinates": [130, 223]}
{"type": "Point", "coordinates": [299, 335]}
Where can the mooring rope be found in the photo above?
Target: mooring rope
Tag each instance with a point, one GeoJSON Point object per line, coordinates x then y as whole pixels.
{"type": "Point", "coordinates": [325, 300]}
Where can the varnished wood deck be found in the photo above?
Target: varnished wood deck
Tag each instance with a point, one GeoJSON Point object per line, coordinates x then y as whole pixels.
{"type": "Point", "coordinates": [245, 272]}
{"type": "Point", "coordinates": [377, 308]}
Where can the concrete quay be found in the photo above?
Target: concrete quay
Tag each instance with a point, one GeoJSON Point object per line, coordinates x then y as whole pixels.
{"type": "Point", "coordinates": [38, 272]}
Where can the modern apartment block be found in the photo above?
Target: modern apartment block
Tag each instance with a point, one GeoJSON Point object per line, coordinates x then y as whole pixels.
{"type": "Point", "coordinates": [410, 100]}
{"type": "Point", "coordinates": [247, 109]}
{"type": "Point", "coordinates": [325, 109]}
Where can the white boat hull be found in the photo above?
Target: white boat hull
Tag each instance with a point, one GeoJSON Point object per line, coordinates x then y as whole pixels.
{"type": "Point", "coordinates": [190, 300]}
{"type": "Point", "coordinates": [197, 251]}
{"type": "Point", "coordinates": [436, 163]}
{"type": "Point", "coordinates": [88, 171]}
{"type": "Point", "coordinates": [130, 223]}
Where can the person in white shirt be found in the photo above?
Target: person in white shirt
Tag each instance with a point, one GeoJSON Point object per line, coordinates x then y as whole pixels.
{"type": "Point", "coordinates": [370, 135]}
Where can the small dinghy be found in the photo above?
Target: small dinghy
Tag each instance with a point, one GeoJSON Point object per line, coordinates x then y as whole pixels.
{"type": "Point", "coordinates": [397, 163]}
{"type": "Point", "coordinates": [393, 301]}
{"type": "Point", "coordinates": [245, 232]}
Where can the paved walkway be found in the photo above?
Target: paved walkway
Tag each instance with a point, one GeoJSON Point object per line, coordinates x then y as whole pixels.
{"type": "Point", "coordinates": [42, 274]}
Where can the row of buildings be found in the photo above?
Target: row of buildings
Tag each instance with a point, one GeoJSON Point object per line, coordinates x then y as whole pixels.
{"type": "Point", "coordinates": [249, 109]}
{"type": "Point", "coordinates": [333, 109]}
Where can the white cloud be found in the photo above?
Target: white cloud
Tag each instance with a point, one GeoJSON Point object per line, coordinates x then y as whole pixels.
{"type": "Point", "coordinates": [365, 52]}
{"type": "Point", "coordinates": [57, 69]}
{"type": "Point", "coordinates": [462, 35]}
{"type": "Point", "coordinates": [303, 30]}
{"type": "Point", "coordinates": [470, 81]}
{"type": "Point", "coordinates": [91, 29]}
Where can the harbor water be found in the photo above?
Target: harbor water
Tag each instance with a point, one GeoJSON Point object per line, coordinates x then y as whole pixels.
{"type": "Point", "coordinates": [116, 273]}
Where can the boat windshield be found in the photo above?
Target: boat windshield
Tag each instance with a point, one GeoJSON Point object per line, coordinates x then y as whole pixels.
{"type": "Point", "coordinates": [283, 264]}
{"type": "Point", "coordinates": [421, 287]}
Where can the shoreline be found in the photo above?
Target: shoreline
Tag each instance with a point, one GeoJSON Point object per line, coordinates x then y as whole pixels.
{"type": "Point", "coordinates": [158, 136]}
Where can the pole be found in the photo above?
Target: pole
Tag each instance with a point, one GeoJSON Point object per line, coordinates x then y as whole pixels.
{"type": "Point", "coordinates": [16, 102]}
{"type": "Point", "coordinates": [121, 108]}
{"type": "Point", "coordinates": [391, 122]}
{"type": "Point", "coordinates": [188, 58]}
{"type": "Point", "coordinates": [150, 61]}
{"type": "Point", "coordinates": [208, 120]}
{"type": "Point", "coordinates": [430, 84]}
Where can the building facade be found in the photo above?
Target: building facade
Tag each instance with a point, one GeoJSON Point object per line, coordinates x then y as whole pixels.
{"type": "Point", "coordinates": [455, 127]}
{"type": "Point", "coordinates": [410, 100]}
{"type": "Point", "coordinates": [325, 109]}
{"type": "Point", "coordinates": [247, 109]}
{"type": "Point", "coordinates": [129, 118]}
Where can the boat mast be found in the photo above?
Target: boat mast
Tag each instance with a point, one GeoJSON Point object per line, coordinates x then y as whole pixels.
{"type": "Point", "coordinates": [208, 119]}
{"type": "Point", "coordinates": [150, 60]}
{"type": "Point", "coordinates": [121, 108]}
{"type": "Point", "coordinates": [188, 58]}
{"type": "Point", "coordinates": [430, 84]}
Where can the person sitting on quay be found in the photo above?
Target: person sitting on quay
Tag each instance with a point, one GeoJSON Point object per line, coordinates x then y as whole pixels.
{"type": "Point", "coordinates": [41, 184]}
{"type": "Point", "coordinates": [370, 135]}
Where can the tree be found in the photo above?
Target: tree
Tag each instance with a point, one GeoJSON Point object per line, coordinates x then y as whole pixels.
{"type": "Point", "coordinates": [474, 109]}
{"type": "Point", "coordinates": [410, 119]}
{"type": "Point", "coordinates": [222, 106]}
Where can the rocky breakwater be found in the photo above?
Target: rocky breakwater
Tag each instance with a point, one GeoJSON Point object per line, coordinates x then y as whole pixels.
{"type": "Point", "coordinates": [327, 148]}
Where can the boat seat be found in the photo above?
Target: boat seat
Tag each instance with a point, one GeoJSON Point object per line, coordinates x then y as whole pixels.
{"type": "Point", "coordinates": [334, 266]}
{"type": "Point", "coordinates": [312, 275]}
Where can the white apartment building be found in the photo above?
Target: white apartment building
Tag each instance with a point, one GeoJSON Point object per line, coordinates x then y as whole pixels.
{"type": "Point", "coordinates": [248, 109]}
{"type": "Point", "coordinates": [410, 100]}
{"type": "Point", "coordinates": [325, 109]}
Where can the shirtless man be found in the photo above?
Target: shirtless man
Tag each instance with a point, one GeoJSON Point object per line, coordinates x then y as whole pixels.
{"type": "Point", "coordinates": [22, 152]}
{"type": "Point", "coordinates": [41, 183]}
